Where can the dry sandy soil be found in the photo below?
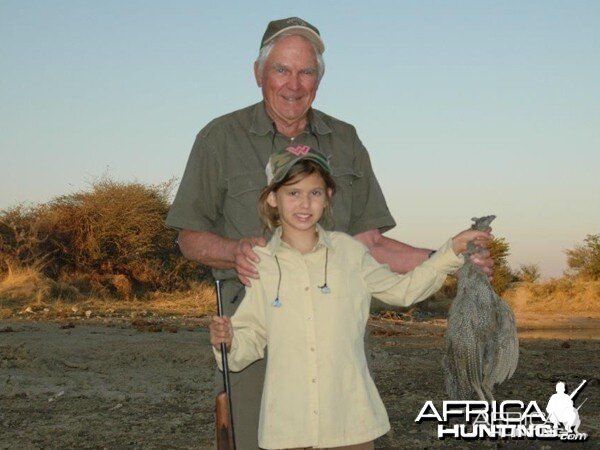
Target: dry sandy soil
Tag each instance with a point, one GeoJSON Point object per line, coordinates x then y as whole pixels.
{"type": "Point", "coordinates": [149, 384]}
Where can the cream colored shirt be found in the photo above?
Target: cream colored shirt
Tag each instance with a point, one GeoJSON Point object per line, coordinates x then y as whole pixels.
{"type": "Point", "coordinates": [318, 391]}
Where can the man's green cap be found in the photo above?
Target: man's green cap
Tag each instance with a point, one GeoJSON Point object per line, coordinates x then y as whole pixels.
{"type": "Point", "coordinates": [293, 25]}
{"type": "Point", "coordinates": [281, 162]}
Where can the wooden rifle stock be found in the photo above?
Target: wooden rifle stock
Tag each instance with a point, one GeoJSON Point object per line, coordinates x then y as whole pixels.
{"type": "Point", "coordinates": [223, 414]}
{"type": "Point", "coordinates": [223, 424]}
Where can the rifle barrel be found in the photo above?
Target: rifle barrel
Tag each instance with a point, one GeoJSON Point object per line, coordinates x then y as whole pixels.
{"type": "Point", "coordinates": [224, 363]}
{"type": "Point", "coordinates": [581, 404]}
{"type": "Point", "coordinates": [577, 390]}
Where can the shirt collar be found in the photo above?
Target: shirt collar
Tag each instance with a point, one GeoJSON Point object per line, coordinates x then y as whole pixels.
{"type": "Point", "coordinates": [276, 243]}
{"type": "Point", "coordinates": [262, 123]}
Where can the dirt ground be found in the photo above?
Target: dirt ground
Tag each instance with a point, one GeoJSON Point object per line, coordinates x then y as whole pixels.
{"type": "Point", "coordinates": [149, 384]}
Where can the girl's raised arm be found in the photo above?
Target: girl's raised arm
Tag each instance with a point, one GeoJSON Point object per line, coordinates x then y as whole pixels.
{"type": "Point", "coordinates": [414, 286]}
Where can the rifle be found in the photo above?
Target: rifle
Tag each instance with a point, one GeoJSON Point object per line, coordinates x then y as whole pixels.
{"type": "Point", "coordinates": [224, 419]}
{"type": "Point", "coordinates": [577, 390]}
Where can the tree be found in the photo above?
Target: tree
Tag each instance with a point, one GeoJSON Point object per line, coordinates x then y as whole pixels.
{"type": "Point", "coordinates": [584, 260]}
{"type": "Point", "coordinates": [503, 276]}
{"type": "Point", "coordinates": [529, 273]}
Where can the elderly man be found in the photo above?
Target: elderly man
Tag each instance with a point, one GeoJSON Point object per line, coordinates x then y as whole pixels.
{"type": "Point", "coordinates": [216, 205]}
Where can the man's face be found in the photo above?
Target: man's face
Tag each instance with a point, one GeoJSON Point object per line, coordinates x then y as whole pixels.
{"type": "Point", "coordinates": [289, 80]}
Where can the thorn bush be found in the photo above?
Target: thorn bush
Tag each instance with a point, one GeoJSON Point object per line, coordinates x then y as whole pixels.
{"type": "Point", "coordinates": [110, 239]}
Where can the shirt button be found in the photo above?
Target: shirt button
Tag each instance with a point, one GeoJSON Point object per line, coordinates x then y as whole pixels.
{"type": "Point", "coordinates": [308, 318]}
{"type": "Point", "coordinates": [315, 412]}
{"type": "Point", "coordinates": [314, 380]}
{"type": "Point", "coordinates": [312, 349]}
{"type": "Point", "coordinates": [306, 288]}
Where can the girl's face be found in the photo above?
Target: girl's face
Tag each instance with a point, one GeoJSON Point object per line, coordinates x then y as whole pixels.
{"type": "Point", "coordinates": [301, 204]}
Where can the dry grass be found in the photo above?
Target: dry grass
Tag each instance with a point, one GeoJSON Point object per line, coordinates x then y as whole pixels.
{"type": "Point", "coordinates": [567, 295]}
{"type": "Point", "coordinates": [29, 293]}
{"type": "Point", "coordinates": [561, 295]}
{"type": "Point", "coordinates": [29, 285]}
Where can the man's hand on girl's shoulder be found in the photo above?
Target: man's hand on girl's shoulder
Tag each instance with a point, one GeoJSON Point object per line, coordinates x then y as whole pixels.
{"type": "Point", "coordinates": [246, 258]}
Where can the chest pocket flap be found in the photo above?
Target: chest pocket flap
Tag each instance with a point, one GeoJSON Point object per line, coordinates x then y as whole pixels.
{"type": "Point", "coordinates": [344, 177]}
{"type": "Point", "coordinates": [241, 203]}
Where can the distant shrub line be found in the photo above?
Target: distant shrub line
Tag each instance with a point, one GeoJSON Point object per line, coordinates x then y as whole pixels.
{"type": "Point", "coordinates": [111, 241]}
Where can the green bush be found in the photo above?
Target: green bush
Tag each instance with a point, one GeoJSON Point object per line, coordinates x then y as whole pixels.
{"type": "Point", "coordinates": [584, 260]}
{"type": "Point", "coordinates": [111, 238]}
{"type": "Point", "coordinates": [529, 273]}
{"type": "Point", "coordinates": [503, 276]}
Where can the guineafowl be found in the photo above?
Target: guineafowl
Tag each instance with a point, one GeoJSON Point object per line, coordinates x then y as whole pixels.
{"type": "Point", "coordinates": [482, 348]}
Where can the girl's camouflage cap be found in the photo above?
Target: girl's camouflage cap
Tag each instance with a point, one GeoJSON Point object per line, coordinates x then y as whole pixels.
{"type": "Point", "coordinates": [293, 25]}
{"type": "Point", "coordinates": [281, 162]}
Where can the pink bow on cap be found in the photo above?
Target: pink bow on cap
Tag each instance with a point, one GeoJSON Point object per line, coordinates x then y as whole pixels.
{"type": "Point", "coordinates": [299, 150]}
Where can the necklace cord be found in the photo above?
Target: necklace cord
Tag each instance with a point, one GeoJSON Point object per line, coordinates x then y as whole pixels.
{"type": "Point", "coordinates": [279, 279]}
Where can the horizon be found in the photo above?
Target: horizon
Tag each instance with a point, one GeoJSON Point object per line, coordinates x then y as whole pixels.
{"type": "Point", "coordinates": [477, 108]}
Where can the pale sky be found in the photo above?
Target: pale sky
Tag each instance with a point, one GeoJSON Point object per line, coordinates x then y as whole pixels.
{"type": "Point", "coordinates": [467, 107]}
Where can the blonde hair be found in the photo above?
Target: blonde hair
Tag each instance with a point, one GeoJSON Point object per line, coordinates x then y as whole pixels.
{"type": "Point", "coordinates": [269, 216]}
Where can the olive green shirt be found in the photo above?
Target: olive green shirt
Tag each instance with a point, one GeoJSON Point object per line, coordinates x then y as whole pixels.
{"type": "Point", "coordinates": [226, 172]}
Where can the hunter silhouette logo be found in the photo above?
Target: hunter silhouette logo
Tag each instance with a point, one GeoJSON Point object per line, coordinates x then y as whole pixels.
{"type": "Point", "coordinates": [509, 419]}
{"type": "Point", "coordinates": [560, 408]}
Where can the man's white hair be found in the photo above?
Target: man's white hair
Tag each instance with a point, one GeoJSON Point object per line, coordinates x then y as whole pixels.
{"type": "Point", "coordinates": [266, 50]}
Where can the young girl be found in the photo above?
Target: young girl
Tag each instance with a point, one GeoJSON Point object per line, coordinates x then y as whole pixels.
{"type": "Point", "coordinates": [310, 307]}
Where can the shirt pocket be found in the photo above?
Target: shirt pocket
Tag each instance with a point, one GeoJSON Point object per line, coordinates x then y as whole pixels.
{"type": "Point", "coordinates": [345, 178]}
{"type": "Point", "coordinates": [240, 209]}
{"type": "Point", "coordinates": [343, 308]}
